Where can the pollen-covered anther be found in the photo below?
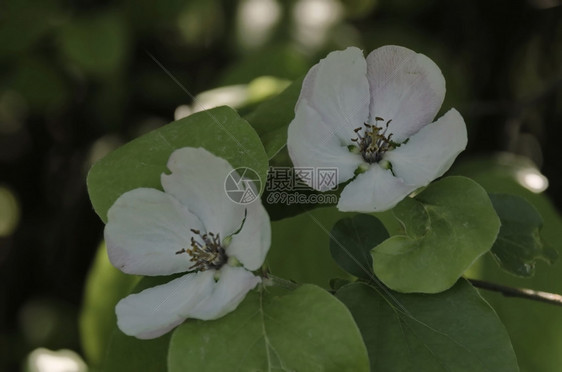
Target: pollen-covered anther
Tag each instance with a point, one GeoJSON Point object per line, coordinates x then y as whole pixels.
{"type": "Point", "coordinates": [373, 142]}
{"type": "Point", "coordinates": [207, 254]}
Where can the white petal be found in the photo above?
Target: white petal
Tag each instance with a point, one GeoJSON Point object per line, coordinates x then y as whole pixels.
{"type": "Point", "coordinates": [251, 244]}
{"type": "Point", "coordinates": [406, 87]}
{"type": "Point", "coordinates": [430, 152]}
{"type": "Point", "coordinates": [376, 190]}
{"type": "Point", "coordinates": [337, 88]}
{"type": "Point", "coordinates": [312, 143]}
{"type": "Point", "coordinates": [197, 180]}
{"type": "Point", "coordinates": [159, 332]}
{"type": "Point", "coordinates": [145, 229]}
{"type": "Point", "coordinates": [229, 291]}
{"type": "Point", "coordinates": [156, 310]}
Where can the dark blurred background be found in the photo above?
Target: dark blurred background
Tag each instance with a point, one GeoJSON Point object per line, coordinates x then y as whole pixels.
{"type": "Point", "coordinates": [78, 78]}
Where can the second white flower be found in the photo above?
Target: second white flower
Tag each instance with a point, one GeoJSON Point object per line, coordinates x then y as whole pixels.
{"type": "Point", "coordinates": [372, 119]}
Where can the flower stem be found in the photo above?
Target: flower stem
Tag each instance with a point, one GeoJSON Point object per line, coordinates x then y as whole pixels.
{"type": "Point", "coordinates": [531, 294]}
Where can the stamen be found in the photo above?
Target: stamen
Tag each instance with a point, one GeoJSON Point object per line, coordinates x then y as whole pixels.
{"type": "Point", "coordinates": [209, 255]}
{"type": "Point", "coordinates": [373, 143]}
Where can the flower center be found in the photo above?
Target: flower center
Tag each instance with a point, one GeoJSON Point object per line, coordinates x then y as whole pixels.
{"type": "Point", "coordinates": [209, 255]}
{"type": "Point", "coordinates": [373, 142]}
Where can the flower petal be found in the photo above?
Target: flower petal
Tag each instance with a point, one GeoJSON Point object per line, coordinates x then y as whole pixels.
{"type": "Point", "coordinates": [376, 190]}
{"type": "Point", "coordinates": [337, 88]}
{"type": "Point", "coordinates": [406, 87]}
{"type": "Point", "coordinates": [197, 181]}
{"type": "Point", "coordinates": [145, 229]}
{"type": "Point", "coordinates": [251, 244]}
{"type": "Point", "coordinates": [430, 152]}
{"type": "Point", "coordinates": [233, 285]}
{"type": "Point", "coordinates": [312, 143]}
{"type": "Point", "coordinates": [156, 310]}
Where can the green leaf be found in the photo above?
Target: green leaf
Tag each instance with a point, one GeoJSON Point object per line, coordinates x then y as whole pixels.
{"type": "Point", "coordinates": [298, 247]}
{"type": "Point", "coordinates": [534, 327]}
{"type": "Point", "coordinates": [271, 119]}
{"type": "Point", "coordinates": [140, 162]}
{"type": "Point", "coordinates": [454, 330]}
{"type": "Point", "coordinates": [446, 228]}
{"type": "Point", "coordinates": [127, 353]}
{"type": "Point", "coordinates": [519, 244]}
{"type": "Point", "coordinates": [351, 241]}
{"type": "Point", "coordinates": [105, 286]}
{"type": "Point", "coordinates": [304, 330]}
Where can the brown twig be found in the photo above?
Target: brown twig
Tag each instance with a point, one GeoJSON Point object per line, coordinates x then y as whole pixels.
{"type": "Point", "coordinates": [531, 294]}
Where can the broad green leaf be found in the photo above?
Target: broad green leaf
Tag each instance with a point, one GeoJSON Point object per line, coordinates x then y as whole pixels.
{"type": "Point", "coordinates": [519, 244]}
{"type": "Point", "coordinates": [126, 353]}
{"type": "Point", "coordinates": [140, 162]}
{"type": "Point", "coordinates": [446, 228]}
{"type": "Point", "coordinates": [299, 247]}
{"type": "Point", "coordinates": [105, 286]}
{"type": "Point", "coordinates": [535, 328]}
{"type": "Point", "coordinates": [455, 330]}
{"type": "Point", "coordinates": [272, 118]}
{"type": "Point", "coordinates": [304, 330]}
{"type": "Point", "coordinates": [351, 241]}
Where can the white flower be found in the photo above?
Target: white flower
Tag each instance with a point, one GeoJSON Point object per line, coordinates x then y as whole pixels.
{"type": "Point", "coordinates": [191, 227]}
{"type": "Point", "coordinates": [372, 119]}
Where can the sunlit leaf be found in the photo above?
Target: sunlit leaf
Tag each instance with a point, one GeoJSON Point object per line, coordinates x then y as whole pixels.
{"type": "Point", "coordinates": [455, 330]}
{"type": "Point", "coordinates": [304, 330]}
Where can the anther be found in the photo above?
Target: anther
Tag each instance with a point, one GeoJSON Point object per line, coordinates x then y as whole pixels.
{"type": "Point", "coordinates": [207, 254]}
{"type": "Point", "coordinates": [373, 143]}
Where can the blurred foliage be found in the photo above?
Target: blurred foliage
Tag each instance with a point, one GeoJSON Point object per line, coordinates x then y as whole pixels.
{"type": "Point", "coordinates": [104, 288]}
{"type": "Point", "coordinates": [77, 78]}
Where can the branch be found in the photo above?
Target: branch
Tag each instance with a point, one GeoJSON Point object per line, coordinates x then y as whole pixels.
{"type": "Point", "coordinates": [551, 298]}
